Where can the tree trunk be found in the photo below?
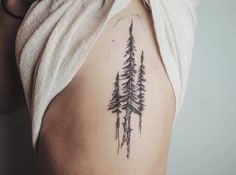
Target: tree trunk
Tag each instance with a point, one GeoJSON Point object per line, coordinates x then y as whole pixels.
{"type": "Point", "coordinates": [127, 130]}
{"type": "Point", "coordinates": [118, 132]}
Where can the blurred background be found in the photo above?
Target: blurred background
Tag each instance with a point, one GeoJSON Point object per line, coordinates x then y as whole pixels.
{"type": "Point", "coordinates": [204, 137]}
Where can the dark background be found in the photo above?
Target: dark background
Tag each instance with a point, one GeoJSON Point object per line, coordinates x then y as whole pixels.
{"type": "Point", "coordinates": [16, 153]}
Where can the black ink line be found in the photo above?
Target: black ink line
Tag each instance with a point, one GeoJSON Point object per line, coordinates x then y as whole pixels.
{"type": "Point", "coordinates": [114, 106]}
{"type": "Point", "coordinates": [141, 91]}
{"type": "Point", "coordinates": [129, 97]}
{"type": "Point", "coordinates": [103, 3]}
{"type": "Point", "coordinates": [132, 98]}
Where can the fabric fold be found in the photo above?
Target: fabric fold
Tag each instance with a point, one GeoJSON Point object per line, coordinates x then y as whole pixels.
{"type": "Point", "coordinates": [56, 36]}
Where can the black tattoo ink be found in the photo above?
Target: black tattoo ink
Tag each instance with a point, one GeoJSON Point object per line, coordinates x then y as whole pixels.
{"type": "Point", "coordinates": [132, 98]}
{"type": "Point", "coordinates": [129, 97]}
{"type": "Point", "coordinates": [103, 3]}
{"type": "Point", "coordinates": [141, 91]}
{"type": "Point", "coordinates": [114, 106]}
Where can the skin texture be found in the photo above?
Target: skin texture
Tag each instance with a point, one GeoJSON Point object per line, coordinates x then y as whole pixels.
{"type": "Point", "coordinates": [78, 132]}
{"type": "Point", "coordinates": [11, 93]}
{"type": "Point", "coordinates": [131, 97]}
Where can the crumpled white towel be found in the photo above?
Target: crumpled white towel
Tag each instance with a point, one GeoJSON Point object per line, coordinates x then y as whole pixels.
{"type": "Point", "coordinates": [56, 36]}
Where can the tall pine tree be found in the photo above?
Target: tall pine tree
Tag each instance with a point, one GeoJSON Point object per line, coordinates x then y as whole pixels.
{"type": "Point", "coordinates": [129, 97]}
{"type": "Point", "coordinates": [114, 106]}
{"type": "Point", "coordinates": [141, 90]}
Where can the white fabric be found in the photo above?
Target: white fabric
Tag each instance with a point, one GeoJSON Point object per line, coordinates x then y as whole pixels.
{"type": "Point", "coordinates": [56, 36]}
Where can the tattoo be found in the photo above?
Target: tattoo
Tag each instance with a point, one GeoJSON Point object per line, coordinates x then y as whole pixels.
{"type": "Point", "coordinates": [132, 98]}
{"type": "Point", "coordinates": [114, 106]}
{"type": "Point", "coordinates": [103, 3]}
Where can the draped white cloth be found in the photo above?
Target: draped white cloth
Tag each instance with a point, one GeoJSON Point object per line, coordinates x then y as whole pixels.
{"type": "Point", "coordinates": [56, 36]}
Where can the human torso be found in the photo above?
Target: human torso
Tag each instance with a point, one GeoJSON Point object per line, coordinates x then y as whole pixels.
{"type": "Point", "coordinates": [78, 131]}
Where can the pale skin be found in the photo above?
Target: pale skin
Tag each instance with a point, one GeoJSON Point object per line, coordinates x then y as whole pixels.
{"type": "Point", "coordinates": [78, 132]}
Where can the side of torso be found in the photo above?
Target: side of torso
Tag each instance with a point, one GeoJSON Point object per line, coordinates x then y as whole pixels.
{"type": "Point", "coordinates": [78, 131]}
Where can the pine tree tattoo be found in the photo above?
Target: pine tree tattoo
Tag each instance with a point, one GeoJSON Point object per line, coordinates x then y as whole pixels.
{"type": "Point", "coordinates": [129, 97]}
{"type": "Point", "coordinates": [141, 91]}
{"type": "Point", "coordinates": [114, 106]}
{"type": "Point", "coordinates": [132, 98]}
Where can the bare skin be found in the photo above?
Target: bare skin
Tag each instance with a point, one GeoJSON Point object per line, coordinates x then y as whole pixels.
{"type": "Point", "coordinates": [78, 132]}
{"type": "Point", "coordinates": [11, 93]}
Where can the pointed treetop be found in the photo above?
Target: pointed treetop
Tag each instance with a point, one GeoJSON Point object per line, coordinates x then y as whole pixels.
{"type": "Point", "coordinates": [117, 76]}
{"type": "Point", "coordinates": [142, 55]}
{"type": "Point", "coordinates": [131, 27]}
